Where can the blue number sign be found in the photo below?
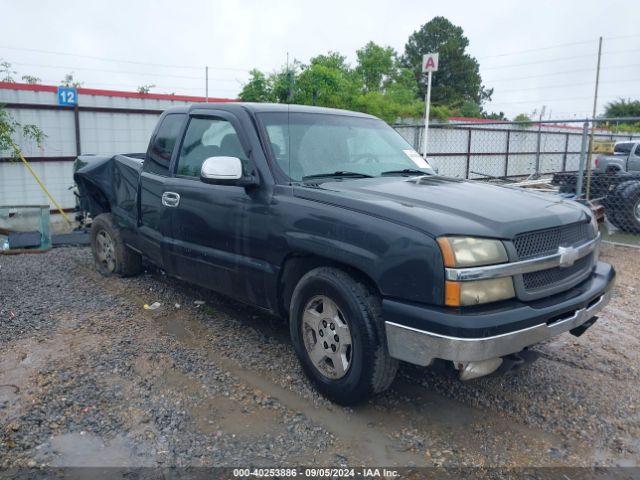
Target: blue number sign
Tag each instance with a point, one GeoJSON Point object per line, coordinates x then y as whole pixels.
{"type": "Point", "coordinates": [67, 96]}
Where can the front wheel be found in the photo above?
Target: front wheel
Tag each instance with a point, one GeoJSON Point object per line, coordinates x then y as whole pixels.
{"type": "Point", "coordinates": [338, 333]}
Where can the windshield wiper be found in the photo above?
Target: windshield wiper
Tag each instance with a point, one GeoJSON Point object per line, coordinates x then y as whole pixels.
{"type": "Point", "coordinates": [340, 173]}
{"type": "Point", "coordinates": [406, 171]}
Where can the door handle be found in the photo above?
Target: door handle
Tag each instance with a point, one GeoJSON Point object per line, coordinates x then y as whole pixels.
{"type": "Point", "coordinates": [170, 199]}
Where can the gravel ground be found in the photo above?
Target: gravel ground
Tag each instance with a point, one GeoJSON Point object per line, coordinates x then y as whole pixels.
{"type": "Point", "coordinates": [89, 377]}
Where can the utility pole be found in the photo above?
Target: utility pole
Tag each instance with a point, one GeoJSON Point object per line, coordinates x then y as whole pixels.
{"type": "Point", "coordinates": [288, 81]}
{"type": "Point", "coordinates": [538, 142]}
{"type": "Point", "coordinates": [593, 123]}
{"type": "Point", "coordinates": [206, 84]}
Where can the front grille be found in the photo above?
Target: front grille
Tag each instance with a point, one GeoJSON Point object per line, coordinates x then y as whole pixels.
{"type": "Point", "coordinates": [554, 276]}
{"type": "Point", "coordinates": [546, 242]}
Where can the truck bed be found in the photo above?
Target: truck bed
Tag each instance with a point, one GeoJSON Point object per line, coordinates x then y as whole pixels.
{"type": "Point", "coordinates": [109, 183]}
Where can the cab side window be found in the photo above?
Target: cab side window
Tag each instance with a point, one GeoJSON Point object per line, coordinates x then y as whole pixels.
{"type": "Point", "coordinates": [159, 155]}
{"type": "Point", "coordinates": [205, 138]}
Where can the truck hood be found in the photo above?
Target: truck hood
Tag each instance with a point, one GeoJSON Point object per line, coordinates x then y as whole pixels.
{"type": "Point", "coordinates": [445, 206]}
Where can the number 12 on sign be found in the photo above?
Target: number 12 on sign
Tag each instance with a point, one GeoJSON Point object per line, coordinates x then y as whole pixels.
{"type": "Point", "coordinates": [67, 96]}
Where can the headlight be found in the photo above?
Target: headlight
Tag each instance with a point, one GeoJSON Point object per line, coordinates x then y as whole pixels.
{"type": "Point", "coordinates": [458, 294]}
{"type": "Point", "coordinates": [460, 252]}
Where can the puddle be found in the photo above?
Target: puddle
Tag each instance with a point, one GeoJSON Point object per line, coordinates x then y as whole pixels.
{"type": "Point", "coordinates": [86, 450]}
{"type": "Point", "coordinates": [21, 363]}
{"type": "Point", "coordinates": [220, 414]}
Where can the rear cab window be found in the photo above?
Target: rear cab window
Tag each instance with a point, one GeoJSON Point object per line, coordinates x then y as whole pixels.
{"type": "Point", "coordinates": [623, 148]}
{"type": "Point", "coordinates": [161, 149]}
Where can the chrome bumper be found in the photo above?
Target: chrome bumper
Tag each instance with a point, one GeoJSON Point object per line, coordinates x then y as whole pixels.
{"type": "Point", "coordinates": [421, 348]}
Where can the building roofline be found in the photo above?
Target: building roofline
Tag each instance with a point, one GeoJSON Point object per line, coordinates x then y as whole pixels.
{"type": "Point", "coordinates": [113, 93]}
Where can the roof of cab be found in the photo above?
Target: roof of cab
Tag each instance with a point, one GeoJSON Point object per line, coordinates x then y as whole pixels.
{"type": "Point", "coordinates": [265, 107]}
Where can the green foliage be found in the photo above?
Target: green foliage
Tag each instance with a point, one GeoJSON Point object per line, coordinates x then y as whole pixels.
{"type": "Point", "coordinates": [376, 66]}
{"type": "Point", "coordinates": [494, 116]}
{"type": "Point", "coordinates": [440, 113]}
{"type": "Point", "coordinates": [457, 80]}
{"type": "Point", "coordinates": [623, 108]}
{"type": "Point", "coordinates": [10, 128]}
{"type": "Point", "coordinates": [6, 72]}
{"type": "Point", "coordinates": [626, 127]}
{"type": "Point", "coordinates": [31, 80]}
{"type": "Point", "coordinates": [70, 81]}
{"type": "Point", "coordinates": [145, 88]}
{"type": "Point", "coordinates": [470, 109]}
{"type": "Point", "coordinates": [381, 83]}
{"type": "Point", "coordinates": [522, 117]}
{"type": "Point", "coordinates": [377, 84]}
{"type": "Point", "coordinates": [258, 88]}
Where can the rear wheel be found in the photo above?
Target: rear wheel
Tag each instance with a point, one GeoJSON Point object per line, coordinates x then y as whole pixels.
{"type": "Point", "coordinates": [110, 254]}
{"type": "Point", "coordinates": [338, 334]}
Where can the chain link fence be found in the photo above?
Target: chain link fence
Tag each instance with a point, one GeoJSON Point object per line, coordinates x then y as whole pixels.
{"type": "Point", "coordinates": [582, 160]}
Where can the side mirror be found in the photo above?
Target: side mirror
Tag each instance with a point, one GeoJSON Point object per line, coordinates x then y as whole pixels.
{"type": "Point", "coordinates": [221, 169]}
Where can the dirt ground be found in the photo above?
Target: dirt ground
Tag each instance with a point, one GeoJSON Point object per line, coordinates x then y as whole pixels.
{"type": "Point", "coordinates": [89, 377]}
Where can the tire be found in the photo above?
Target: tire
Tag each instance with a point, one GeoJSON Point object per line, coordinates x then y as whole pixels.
{"type": "Point", "coordinates": [612, 216]}
{"type": "Point", "coordinates": [625, 203]}
{"type": "Point", "coordinates": [110, 254]}
{"type": "Point", "coordinates": [369, 369]}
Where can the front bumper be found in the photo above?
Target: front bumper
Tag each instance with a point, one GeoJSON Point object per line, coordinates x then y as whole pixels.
{"type": "Point", "coordinates": [501, 332]}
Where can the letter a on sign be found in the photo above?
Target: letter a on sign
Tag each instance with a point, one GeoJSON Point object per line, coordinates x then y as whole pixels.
{"type": "Point", "coordinates": [430, 63]}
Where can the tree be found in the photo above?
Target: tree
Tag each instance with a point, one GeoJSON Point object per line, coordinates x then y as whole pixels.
{"type": "Point", "coordinates": [623, 108]}
{"type": "Point", "coordinates": [470, 109]}
{"type": "Point", "coordinates": [458, 77]}
{"type": "Point", "coordinates": [31, 80]}
{"type": "Point", "coordinates": [522, 117]}
{"type": "Point", "coordinates": [494, 116]}
{"type": "Point", "coordinates": [376, 65]}
{"type": "Point", "coordinates": [145, 88]}
{"type": "Point", "coordinates": [6, 73]}
{"type": "Point", "coordinates": [388, 90]}
{"type": "Point", "coordinates": [10, 128]}
{"type": "Point", "coordinates": [69, 81]}
{"type": "Point", "coordinates": [257, 89]}
{"type": "Point", "coordinates": [327, 81]}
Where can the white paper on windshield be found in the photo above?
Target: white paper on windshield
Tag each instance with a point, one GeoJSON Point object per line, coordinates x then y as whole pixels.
{"type": "Point", "coordinates": [416, 158]}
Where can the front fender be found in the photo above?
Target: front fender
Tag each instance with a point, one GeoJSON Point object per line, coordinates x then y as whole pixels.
{"type": "Point", "coordinates": [403, 263]}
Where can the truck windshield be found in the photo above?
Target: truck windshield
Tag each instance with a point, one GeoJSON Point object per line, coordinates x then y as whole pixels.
{"type": "Point", "coordinates": [311, 145]}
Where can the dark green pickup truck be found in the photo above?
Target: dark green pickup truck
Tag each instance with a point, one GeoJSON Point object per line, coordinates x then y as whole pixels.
{"type": "Point", "coordinates": [331, 220]}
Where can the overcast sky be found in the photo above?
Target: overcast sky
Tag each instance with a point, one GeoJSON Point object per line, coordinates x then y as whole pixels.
{"type": "Point", "coordinates": [509, 39]}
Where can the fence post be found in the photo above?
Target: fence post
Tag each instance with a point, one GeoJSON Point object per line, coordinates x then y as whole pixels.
{"type": "Point", "coordinates": [76, 124]}
{"type": "Point", "coordinates": [466, 175]}
{"type": "Point", "coordinates": [506, 157]}
{"type": "Point", "coordinates": [538, 142]}
{"type": "Point", "coordinates": [566, 151]}
{"type": "Point", "coordinates": [416, 137]}
{"type": "Point", "coordinates": [583, 155]}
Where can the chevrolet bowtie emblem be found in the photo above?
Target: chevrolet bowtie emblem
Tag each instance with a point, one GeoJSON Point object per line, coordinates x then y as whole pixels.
{"type": "Point", "coordinates": [568, 256]}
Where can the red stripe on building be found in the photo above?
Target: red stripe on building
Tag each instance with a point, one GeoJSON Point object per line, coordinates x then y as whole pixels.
{"type": "Point", "coordinates": [113, 93]}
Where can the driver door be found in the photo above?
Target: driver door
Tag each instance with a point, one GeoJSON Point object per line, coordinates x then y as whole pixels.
{"type": "Point", "coordinates": [208, 222]}
{"type": "Point", "coordinates": [633, 164]}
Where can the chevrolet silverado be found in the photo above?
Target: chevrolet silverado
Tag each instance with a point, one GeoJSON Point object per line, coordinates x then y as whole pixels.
{"type": "Point", "coordinates": [330, 219]}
